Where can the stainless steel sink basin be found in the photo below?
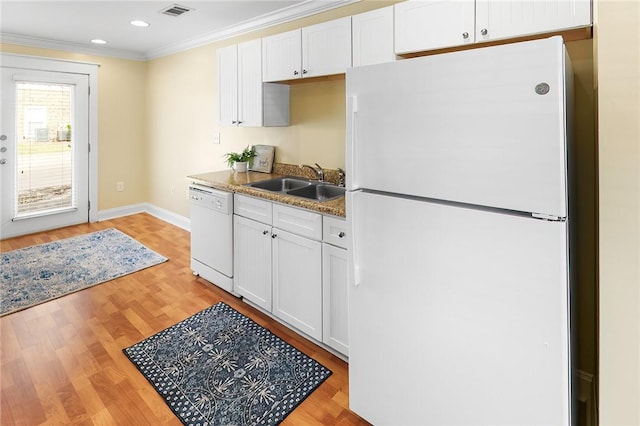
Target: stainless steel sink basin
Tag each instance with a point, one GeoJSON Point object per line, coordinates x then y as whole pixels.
{"type": "Point", "coordinates": [281, 184]}
{"type": "Point", "coordinates": [319, 192]}
{"type": "Point", "coordinates": [300, 187]}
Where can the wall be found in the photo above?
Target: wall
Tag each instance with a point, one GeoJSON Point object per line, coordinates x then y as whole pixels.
{"type": "Point", "coordinates": [121, 124]}
{"type": "Point", "coordinates": [584, 214]}
{"type": "Point", "coordinates": [617, 52]}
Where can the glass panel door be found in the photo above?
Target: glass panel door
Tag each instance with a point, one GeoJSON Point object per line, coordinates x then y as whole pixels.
{"type": "Point", "coordinates": [45, 150]}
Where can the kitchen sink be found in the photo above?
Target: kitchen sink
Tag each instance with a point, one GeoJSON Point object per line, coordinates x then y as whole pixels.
{"type": "Point", "coordinates": [281, 184]}
{"type": "Point", "coordinates": [319, 192]}
{"type": "Point", "coordinates": [300, 187]}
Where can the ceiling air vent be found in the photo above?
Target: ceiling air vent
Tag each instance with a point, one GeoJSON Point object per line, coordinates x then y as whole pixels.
{"type": "Point", "coordinates": [175, 10]}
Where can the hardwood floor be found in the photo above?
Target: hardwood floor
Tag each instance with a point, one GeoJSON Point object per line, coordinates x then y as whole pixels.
{"type": "Point", "coordinates": [61, 362]}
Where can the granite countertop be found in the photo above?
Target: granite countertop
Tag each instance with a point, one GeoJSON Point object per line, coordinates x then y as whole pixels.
{"type": "Point", "coordinates": [228, 180]}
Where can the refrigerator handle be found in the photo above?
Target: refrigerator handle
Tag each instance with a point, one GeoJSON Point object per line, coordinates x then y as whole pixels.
{"type": "Point", "coordinates": [352, 110]}
{"type": "Point", "coordinates": [351, 198]}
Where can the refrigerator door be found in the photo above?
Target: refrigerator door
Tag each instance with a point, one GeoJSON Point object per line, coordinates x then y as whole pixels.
{"type": "Point", "coordinates": [459, 316]}
{"type": "Point", "coordinates": [483, 126]}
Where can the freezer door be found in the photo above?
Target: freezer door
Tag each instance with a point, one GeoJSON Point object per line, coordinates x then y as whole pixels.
{"type": "Point", "coordinates": [483, 126]}
{"type": "Point", "coordinates": [456, 316]}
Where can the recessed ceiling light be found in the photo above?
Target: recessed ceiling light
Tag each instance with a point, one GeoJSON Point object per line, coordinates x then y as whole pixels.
{"type": "Point", "coordinates": [98, 41]}
{"type": "Point", "coordinates": [138, 23]}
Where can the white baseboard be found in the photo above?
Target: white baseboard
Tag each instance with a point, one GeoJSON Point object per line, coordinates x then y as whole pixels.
{"type": "Point", "coordinates": [121, 211]}
{"type": "Point", "coordinates": [163, 214]}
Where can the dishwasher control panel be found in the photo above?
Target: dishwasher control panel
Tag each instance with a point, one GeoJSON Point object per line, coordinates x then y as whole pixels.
{"type": "Point", "coordinates": [211, 198]}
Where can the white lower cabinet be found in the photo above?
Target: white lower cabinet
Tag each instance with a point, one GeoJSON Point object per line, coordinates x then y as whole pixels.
{"type": "Point", "coordinates": [297, 282]}
{"type": "Point", "coordinates": [252, 260]}
{"type": "Point", "coordinates": [278, 261]}
{"type": "Point", "coordinates": [335, 330]}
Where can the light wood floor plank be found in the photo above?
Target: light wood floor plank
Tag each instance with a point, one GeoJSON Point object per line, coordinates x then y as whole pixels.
{"type": "Point", "coordinates": [61, 362]}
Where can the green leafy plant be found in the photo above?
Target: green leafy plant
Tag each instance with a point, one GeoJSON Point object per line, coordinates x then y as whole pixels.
{"type": "Point", "coordinates": [246, 155]}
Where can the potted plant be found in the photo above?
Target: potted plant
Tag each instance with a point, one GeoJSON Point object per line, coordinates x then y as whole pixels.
{"type": "Point", "coordinates": [240, 161]}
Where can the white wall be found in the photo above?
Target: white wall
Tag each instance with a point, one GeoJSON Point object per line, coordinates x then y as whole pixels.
{"type": "Point", "coordinates": [617, 49]}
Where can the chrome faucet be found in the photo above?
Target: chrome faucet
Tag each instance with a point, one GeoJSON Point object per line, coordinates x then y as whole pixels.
{"type": "Point", "coordinates": [319, 171]}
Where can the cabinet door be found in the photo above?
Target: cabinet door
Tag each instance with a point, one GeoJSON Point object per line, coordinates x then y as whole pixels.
{"type": "Point", "coordinates": [250, 83]}
{"type": "Point", "coordinates": [281, 56]}
{"type": "Point", "coordinates": [372, 35]}
{"type": "Point", "coordinates": [433, 24]}
{"type": "Point", "coordinates": [326, 48]}
{"type": "Point", "coordinates": [335, 324]}
{"type": "Point", "coordinates": [228, 85]}
{"type": "Point", "coordinates": [509, 18]}
{"type": "Point", "coordinates": [252, 261]}
{"type": "Point", "coordinates": [297, 282]}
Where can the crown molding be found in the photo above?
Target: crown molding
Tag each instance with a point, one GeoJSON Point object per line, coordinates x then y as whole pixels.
{"type": "Point", "coordinates": [70, 47]}
{"type": "Point", "coordinates": [291, 13]}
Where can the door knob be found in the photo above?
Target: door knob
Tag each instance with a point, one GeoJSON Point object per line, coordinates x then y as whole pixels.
{"type": "Point", "coordinates": [3, 149]}
{"type": "Point", "coordinates": [484, 31]}
{"type": "Point", "coordinates": [465, 35]}
{"type": "Point", "coordinates": [274, 235]}
{"type": "Point", "coordinates": [3, 137]}
{"type": "Point", "coordinates": [265, 232]}
{"type": "Point", "coordinates": [341, 234]}
{"type": "Point", "coordinates": [3, 161]}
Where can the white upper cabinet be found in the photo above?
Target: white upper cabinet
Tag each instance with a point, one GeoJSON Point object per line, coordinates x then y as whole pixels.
{"type": "Point", "coordinates": [250, 83]}
{"type": "Point", "coordinates": [228, 85]}
{"type": "Point", "coordinates": [510, 18]}
{"type": "Point", "coordinates": [422, 25]}
{"type": "Point", "coordinates": [372, 37]}
{"type": "Point", "coordinates": [243, 100]}
{"type": "Point", "coordinates": [317, 50]}
{"type": "Point", "coordinates": [326, 48]}
{"type": "Point", "coordinates": [433, 24]}
{"type": "Point", "coordinates": [282, 56]}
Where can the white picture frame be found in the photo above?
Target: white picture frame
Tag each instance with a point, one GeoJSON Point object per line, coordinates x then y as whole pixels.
{"type": "Point", "coordinates": [263, 161]}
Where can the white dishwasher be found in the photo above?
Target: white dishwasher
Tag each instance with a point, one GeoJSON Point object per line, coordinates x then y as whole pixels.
{"type": "Point", "coordinates": [212, 235]}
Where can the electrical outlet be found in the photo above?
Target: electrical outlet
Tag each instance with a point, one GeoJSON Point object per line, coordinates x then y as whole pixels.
{"type": "Point", "coordinates": [216, 138]}
{"type": "Point", "coordinates": [120, 186]}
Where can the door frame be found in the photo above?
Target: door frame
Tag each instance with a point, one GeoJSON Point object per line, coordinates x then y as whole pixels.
{"type": "Point", "coordinates": [37, 63]}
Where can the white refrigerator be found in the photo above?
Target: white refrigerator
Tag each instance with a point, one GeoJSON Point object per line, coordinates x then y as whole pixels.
{"type": "Point", "coordinates": [457, 201]}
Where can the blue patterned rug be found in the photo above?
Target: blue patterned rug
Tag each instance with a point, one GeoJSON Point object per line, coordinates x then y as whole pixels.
{"type": "Point", "coordinates": [36, 274]}
{"type": "Point", "coordinates": [218, 367]}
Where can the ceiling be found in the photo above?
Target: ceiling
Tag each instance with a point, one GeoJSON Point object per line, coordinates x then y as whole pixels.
{"type": "Point", "coordinates": [71, 25]}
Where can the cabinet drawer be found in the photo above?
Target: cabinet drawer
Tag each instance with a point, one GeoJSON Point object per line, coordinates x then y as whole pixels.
{"type": "Point", "coordinates": [253, 208]}
{"type": "Point", "coordinates": [300, 222]}
{"type": "Point", "coordinates": [334, 231]}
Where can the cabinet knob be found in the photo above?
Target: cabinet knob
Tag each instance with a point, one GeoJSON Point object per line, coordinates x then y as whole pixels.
{"type": "Point", "coordinates": [465, 35]}
{"type": "Point", "coordinates": [296, 73]}
{"type": "Point", "coordinates": [484, 31]}
{"type": "Point", "coordinates": [304, 71]}
{"type": "Point", "coordinates": [265, 232]}
{"type": "Point", "coordinates": [234, 122]}
{"type": "Point", "coordinates": [341, 234]}
{"type": "Point", "coordinates": [274, 235]}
